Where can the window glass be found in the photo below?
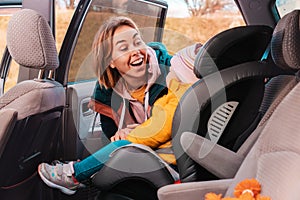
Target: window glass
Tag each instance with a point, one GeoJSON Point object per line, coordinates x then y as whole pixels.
{"type": "Point", "coordinates": [63, 16]}
{"type": "Point", "coordinates": [10, 2]}
{"type": "Point", "coordinates": [12, 76]}
{"type": "Point", "coordinates": [147, 16]}
{"type": "Point", "coordinates": [197, 21]}
{"type": "Point", "coordinates": [3, 26]}
{"type": "Point", "coordinates": [286, 6]}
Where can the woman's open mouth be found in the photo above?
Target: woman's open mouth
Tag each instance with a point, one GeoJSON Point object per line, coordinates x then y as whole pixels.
{"type": "Point", "coordinates": [137, 62]}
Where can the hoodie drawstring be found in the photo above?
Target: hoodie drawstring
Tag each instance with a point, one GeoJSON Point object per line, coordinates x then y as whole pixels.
{"type": "Point", "coordinates": [121, 122]}
{"type": "Point", "coordinates": [146, 105]}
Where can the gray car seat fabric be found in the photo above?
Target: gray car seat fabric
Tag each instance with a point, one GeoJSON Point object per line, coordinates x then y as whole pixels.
{"type": "Point", "coordinates": [274, 158]}
{"type": "Point", "coordinates": [32, 97]}
{"type": "Point", "coordinates": [37, 103]}
{"type": "Point", "coordinates": [32, 45]}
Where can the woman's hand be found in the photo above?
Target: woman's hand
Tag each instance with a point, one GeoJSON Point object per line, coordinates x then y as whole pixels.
{"type": "Point", "coordinates": [121, 134]}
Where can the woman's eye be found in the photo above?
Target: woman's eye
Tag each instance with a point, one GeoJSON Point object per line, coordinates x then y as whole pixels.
{"type": "Point", "coordinates": [139, 42]}
{"type": "Point", "coordinates": [123, 48]}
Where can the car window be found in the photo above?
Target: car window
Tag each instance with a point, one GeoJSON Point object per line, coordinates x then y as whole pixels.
{"type": "Point", "coordinates": [197, 21]}
{"type": "Point", "coordinates": [147, 16]}
{"type": "Point", "coordinates": [286, 6]}
{"type": "Point", "coordinates": [10, 2]}
{"type": "Point", "coordinates": [63, 16]}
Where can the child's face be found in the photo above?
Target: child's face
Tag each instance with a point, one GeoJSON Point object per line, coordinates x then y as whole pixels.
{"type": "Point", "coordinates": [171, 75]}
{"type": "Point", "coordinates": [129, 54]}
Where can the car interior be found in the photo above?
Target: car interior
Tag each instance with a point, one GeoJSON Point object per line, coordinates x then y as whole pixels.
{"type": "Point", "coordinates": [242, 82]}
{"type": "Point", "coordinates": [238, 121]}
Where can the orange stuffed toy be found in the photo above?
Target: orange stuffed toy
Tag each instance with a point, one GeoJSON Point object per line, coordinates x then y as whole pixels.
{"type": "Point", "coordinates": [248, 189]}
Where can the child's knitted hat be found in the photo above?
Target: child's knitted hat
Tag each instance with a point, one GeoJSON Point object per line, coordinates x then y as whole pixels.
{"type": "Point", "coordinates": [182, 63]}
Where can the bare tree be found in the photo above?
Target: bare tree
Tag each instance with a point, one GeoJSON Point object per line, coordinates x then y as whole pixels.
{"type": "Point", "coordinates": [70, 4]}
{"type": "Point", "coordinates": [202, 7]}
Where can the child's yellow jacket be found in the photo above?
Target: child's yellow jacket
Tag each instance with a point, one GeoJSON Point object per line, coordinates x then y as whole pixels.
{"type": "Point", "coordinates": [156, 131]}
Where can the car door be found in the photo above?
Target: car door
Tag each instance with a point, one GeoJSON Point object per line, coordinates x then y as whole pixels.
{"type": "Point", "coordinates": [82, 130]}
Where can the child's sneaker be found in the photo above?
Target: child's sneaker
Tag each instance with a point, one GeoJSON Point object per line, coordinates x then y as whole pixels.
{"type": "Point", "coordinates": [59, 176]}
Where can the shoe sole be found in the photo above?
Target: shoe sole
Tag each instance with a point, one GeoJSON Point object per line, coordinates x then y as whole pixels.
{"type": "Point", "coordinates": [53, 185]}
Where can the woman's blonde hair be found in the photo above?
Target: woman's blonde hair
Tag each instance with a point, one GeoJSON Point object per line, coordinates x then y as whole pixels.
{"type": "Point", "coordinates": [102, 50]}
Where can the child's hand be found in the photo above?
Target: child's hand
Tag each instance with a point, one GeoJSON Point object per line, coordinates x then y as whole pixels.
{"type": "Point", "coordinates": [132, 126]}
{"type": "Point", "coordinates": [171, 75]}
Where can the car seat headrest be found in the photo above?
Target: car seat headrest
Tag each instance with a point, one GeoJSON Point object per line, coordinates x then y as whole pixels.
{"type": "Point", "coordinates": [285, 44]}
{"type": "Point", "coordinates": [30, 41]}
{"type": "Point", "coordinates": [232, 47]}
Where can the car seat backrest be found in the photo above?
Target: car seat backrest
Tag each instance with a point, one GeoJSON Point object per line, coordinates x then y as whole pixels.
{"type": "Point", "coordinates": [38, 102]}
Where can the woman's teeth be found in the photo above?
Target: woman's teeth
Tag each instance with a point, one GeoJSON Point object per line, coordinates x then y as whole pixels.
{"type": "Point", "coordinates": [137, 62]}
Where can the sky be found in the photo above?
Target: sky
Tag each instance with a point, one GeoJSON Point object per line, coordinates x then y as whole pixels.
{"type": "Point", "coordinates": [177, 8]}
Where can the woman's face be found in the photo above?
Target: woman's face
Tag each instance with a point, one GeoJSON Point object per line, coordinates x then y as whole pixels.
{"type": "Point", "coordinates": [129, 53]}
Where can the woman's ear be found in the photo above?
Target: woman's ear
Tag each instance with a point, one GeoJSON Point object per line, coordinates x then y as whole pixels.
{"type": "Point", "coordinates": [112, 64]}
